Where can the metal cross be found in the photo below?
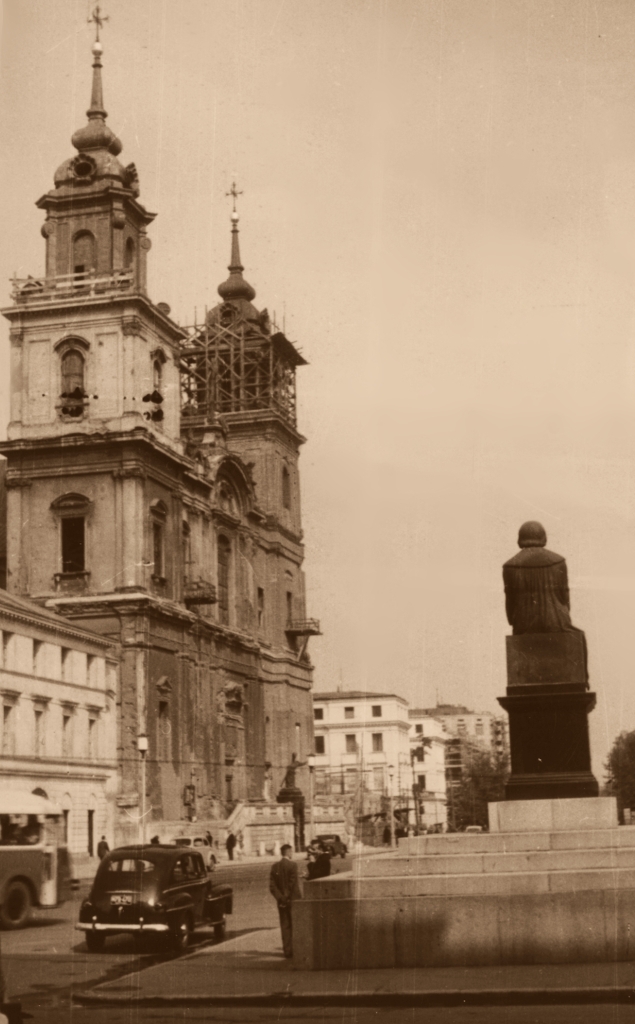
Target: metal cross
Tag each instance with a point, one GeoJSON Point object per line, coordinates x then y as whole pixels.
{"type": "Point", "coordinates": [232, 192]}
{"type": "Point", "coordinates": [99, 20]}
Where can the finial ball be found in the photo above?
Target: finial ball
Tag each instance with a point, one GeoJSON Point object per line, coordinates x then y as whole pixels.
{"type": "Point", "coordinates": [235, 217]}
{"type": "Point", "coordinates": [97, 49]}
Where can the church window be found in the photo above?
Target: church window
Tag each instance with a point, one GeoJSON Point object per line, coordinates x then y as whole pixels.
{"type": "Point", "coordinates": [164, 729]}
{"type": "Point", "coordinates": [157, 539]}
{"type": "Point", "coordinates": [83, 254]}
{"type": "Point", "coordinates": [158, 543]}
{"type": "Point", "coordinates": [72, 373]}
{"type": "Point", "coordinates": [286, 488]}
{"type": "Point", "coordinates": [73, 545]}
{"type": "Point", "coordinates": [224, 559]}
{"type": "Point", "coordinates": [261, 607]}
{"type": "Point", "coordinates": [186, 547]}
{"type": "Point", "coordinates": [157, 375]}
{"type": "Point", "coordinates": [128, 258]}
{"type": "Point", "coordinates": [289, 607]}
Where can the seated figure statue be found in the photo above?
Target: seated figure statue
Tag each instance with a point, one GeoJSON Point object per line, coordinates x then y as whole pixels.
{"type": "Point", "coordinates": [536, 585]}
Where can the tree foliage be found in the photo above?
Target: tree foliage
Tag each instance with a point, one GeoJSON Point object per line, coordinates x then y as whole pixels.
{"type": "Point", "coordinates": [483, 777]}
{"type": "Point", "coordinates": [620, 770]}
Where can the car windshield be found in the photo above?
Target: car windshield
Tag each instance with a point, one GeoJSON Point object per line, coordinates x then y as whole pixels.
{"type": "Point", "coordinates": [127, 872]}
{"type": "Point", "coordinates": [182, 841]}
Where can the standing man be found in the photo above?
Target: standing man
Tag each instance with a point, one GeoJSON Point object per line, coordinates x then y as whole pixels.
{"type": "Point", "coordinates": [285, 888]}
{"type": "Point", "coordinates": [230, 843]}
{"type": "Point", "coordinates": [102, 848]}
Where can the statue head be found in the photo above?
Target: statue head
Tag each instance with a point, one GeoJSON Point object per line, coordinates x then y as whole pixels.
{"type": "Point", "coordinates": [532, 535]}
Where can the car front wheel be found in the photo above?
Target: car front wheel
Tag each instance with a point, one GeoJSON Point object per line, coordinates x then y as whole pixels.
{"type": "Point", "coordinates": [15, 910]}
{"type": "Point", "coordinates": [95, 941]}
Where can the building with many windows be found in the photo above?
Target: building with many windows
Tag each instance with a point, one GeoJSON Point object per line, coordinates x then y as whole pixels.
{"type": "Point", "coordinates": [59, 691]}
{"type": "Point", "coordinates": [481, 727]}
{"type": "Point", "coordinates": [361, 740]}
{"type": "Point", "coordinates": [157, 468]}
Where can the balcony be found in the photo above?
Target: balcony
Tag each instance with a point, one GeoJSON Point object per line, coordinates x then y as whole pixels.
{"type": "Point", "coordinates": [198, 592]}
{"type": "Point", "coordinates": [69, 286]}
{"type": "Point", "coordinates": [303, 627]}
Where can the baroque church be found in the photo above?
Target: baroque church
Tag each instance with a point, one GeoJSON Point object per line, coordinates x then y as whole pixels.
{"type": "Point", "coordinates": [153, 495]}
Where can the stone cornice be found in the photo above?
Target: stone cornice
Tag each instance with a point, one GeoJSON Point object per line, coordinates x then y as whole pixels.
{"type": "Point", "coordinates": [62, 629]}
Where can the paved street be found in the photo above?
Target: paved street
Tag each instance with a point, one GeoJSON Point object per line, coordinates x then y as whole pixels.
{"type": "Point", "coordinates": [46, 962]}
{"type": "Point", "coordinates": [602, 1014]}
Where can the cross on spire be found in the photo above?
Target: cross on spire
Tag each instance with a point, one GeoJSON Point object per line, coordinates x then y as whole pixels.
{"type": "Point", "coordinates": [234, 194]}
{"type": "Point", "coordinates": [98, 19]}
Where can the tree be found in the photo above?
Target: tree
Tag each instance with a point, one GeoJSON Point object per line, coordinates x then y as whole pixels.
{"type": "Point", "coordinates": [482, 780]}
{"type": "Point", "coordinates": [620, 770]}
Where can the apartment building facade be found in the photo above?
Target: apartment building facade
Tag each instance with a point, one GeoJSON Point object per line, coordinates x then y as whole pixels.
{"type": "Point", "coordinates": [59, 690]}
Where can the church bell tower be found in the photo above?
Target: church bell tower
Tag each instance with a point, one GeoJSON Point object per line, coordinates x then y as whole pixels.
{"type": "Point", "coordinates": [157, 469]}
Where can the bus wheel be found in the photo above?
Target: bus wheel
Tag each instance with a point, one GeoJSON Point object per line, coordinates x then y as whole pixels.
{"type": "Point", "coordinates": [94, 941]}
{"type": "Point", "coordinates": [15, 910]}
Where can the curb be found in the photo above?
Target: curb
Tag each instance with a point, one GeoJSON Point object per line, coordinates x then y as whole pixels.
{"type": "Point", "coordinates": [438, 998]}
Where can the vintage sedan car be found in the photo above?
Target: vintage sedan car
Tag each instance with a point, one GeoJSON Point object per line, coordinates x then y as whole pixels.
{"type": "Point", "coordinates": [153, 889]}
{"type": "Point", "coordinates": [201, 844]}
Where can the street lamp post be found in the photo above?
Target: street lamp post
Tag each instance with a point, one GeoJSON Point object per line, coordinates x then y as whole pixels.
{"type": "Point", "coordinates": [311, 763]}
{"type": "Point", "coordinates": [142, 747]}
{"type": "Point", "coordinates": [391, 775]}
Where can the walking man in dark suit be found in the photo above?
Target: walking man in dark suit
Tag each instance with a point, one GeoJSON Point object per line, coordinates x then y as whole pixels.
{"type": "Point", "coordinates": [285, 888]}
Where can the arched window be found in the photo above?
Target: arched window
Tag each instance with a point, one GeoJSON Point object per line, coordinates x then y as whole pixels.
{"type": "Point", "coordinates": [224, 561]}
{"type": "Point", "coordinates": [83, 253]}
{"type": "Point", "coordinates": [72, 510]}
{"type": "Point", "coordinates": [72, 374]}
{"type": "Point", "coordinates": [286, 488]}
{"type": "Point", "coordinates": [157, 375]}
{"type": "Point", "coordinates": [128, 256]}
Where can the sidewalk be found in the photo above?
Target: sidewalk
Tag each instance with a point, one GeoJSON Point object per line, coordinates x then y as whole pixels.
{"type": "Point", "coordinates": [250, 969]}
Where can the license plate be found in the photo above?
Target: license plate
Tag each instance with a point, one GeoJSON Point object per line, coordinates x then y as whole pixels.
{"type": "Point", "coordinates": [120, 900]}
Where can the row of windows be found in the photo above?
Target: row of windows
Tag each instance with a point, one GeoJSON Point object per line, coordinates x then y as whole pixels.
{"type": "Point", "coordinates": [349, 712]}
{"type": "Point", "coordinates": [85, 251]}
{"type": "Point", "coordinates": [73, 384]}
{"type": "Point", "coordinates": [352, 746]}
{"type": "Point", "coordinates": [24, 654]}
{"type": "Point", "coordinates": [50, 735]}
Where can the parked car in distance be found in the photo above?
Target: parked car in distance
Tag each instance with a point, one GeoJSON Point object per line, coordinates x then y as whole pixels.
{"type": "Point", "coordinates": [333, 844]}
{"type": "Point", "coordinates": [201, 844]}
{"type": "Point", "coordinates": [153, 889]}
{"type": "Point", "coordinates": [474, 828]}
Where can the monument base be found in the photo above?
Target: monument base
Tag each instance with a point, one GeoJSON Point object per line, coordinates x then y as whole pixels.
{"type": "Point", "coordinates": [541, 815]}
{"type": "Point", "coordinates": [564, 893]}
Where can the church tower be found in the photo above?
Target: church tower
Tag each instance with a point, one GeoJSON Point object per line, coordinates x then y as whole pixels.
{"type": "Point", "coordinates": [157, 469]}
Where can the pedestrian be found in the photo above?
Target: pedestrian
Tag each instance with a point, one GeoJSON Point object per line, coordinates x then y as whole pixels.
{"type": "Point", "coordinates": [102, 848]}
{"type": "Point", "coordinates": [284, 886]}
{"type": "Point", "coordinates": [230, 843]}
{"type": "Point", "coordinates": [319, 863]}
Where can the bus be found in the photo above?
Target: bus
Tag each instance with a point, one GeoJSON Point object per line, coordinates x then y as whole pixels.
{"type": "Point", "coordinates": [35, 868]}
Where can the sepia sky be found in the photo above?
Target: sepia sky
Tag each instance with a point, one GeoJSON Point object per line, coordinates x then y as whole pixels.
{"type": "Point", "coordinates": [439, 198]}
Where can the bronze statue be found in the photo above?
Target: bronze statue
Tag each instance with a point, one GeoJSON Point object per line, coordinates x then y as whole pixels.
{"type": "Point", "coordinates": [536, 586]}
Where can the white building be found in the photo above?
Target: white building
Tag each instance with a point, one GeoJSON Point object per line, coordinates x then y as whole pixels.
{"type": "Point", "coordinates": [361, 740]}
{"type": "Point", "coordinates": [427, 746]}
{"type": "Point", "coordinates": [58, 732]}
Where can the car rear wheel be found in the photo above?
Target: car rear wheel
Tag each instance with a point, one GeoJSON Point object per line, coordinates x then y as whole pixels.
{"type": "Point", "coordinates": [220, 930]}
{"type": "Point", "coordinates": [15, 910]}
{"type": "Point", "coordinates": [180, 937]}
{"type": "Point", "coordinates": [95, 941]}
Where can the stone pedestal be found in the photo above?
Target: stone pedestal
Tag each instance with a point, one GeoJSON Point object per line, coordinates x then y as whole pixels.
{"type": "Point", "coordinates": [548, 703]}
